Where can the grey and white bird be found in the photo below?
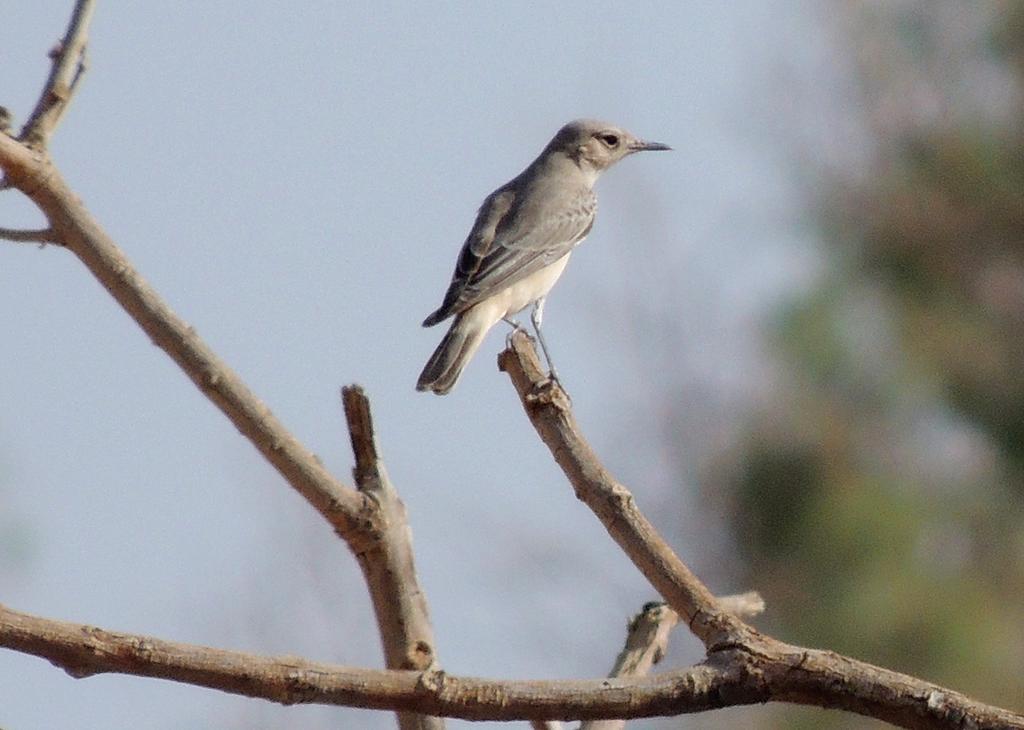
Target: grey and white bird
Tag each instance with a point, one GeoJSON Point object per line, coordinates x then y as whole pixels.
{"type": "Point", "coordinates": [524, 234]}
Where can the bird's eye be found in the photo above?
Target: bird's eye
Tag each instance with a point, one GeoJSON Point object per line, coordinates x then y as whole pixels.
{"type": "Point", "coordinates": [610, 139]}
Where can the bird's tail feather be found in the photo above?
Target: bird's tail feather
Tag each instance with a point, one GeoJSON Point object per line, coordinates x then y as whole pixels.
{"type": "Point", "coordinates": [445, 366]}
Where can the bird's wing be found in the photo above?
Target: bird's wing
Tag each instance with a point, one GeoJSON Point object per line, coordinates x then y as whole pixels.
{"type": "Point", "coordinates": [501, 251]}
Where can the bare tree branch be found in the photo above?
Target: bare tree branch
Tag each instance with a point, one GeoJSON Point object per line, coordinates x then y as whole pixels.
{"type": "Point", "coordinates": [782, 672]}
{"type": "Point", "coordinates": [389, 564]}
{"type": "Point", "coordinates": [351, 514]}
{"type": "Point", "coordinates": [399, 601]}
{"type": "Point", "coordinates": [85, 650]}
{"type": "Point", "coordinates": [68, 66]}
{"type": "Point", "coordinates": [646, 640]}
{"type": "Point", "coordinates": [646, 643]}
{"type": "Point", "coordinates": [731, 676]}
{"type": "Point", "coordinates": [549, 410]}
{"type": "Point", "coordinates": [42, 235]}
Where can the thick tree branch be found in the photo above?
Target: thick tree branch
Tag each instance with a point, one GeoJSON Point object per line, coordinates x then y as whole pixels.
{"type": "Point", "coordinates": [85, 650]}
{"type": "Point", "coordinates": [731, 676]}
{"type": "Point", "coordinates": [399, 602]}
{"type": "Point", "coordinates": [68, 66]}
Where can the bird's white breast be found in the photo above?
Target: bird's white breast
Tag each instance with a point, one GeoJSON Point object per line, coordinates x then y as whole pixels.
{"type": "Point", "coordinates": [522, 294]}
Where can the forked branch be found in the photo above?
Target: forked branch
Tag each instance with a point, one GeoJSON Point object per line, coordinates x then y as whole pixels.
{"type": "Point", "coordinates": [68, 58]}
{"type": "Point", "coordinates": [770, 668]}
{"type": "Point", "coordinates": [399, 601]}
{"type": "Point", "coordinates": [371, 519]}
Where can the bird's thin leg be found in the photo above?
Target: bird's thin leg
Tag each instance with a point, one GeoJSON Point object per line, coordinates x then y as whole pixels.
{"type": "Point", "coordinates": [516, 327]}
{"type": "Point", "coordinates": [536, 316]}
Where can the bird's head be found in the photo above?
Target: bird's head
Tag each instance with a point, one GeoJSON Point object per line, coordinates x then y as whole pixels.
{"type": "Point", "coordinates": [598, 145]}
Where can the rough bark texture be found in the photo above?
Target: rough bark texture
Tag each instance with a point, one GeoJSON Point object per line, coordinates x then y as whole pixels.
{"type": "Point", "coordinates": [400, 604]}
{"type": "Point", "coordinates": [762, 671]}
{"type": "Point", "coordinates": [765, 669]}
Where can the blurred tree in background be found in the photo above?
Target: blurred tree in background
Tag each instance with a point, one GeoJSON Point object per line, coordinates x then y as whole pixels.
{"type": "Point", "coordinates": [878, 500]}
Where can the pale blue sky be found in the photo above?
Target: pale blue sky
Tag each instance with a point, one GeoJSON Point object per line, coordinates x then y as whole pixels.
{"type": "Point", "coordinates": [296, 181]}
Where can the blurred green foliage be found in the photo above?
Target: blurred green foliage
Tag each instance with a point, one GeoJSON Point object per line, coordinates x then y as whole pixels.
{"type": "Point", "coordinates": [878, 502]}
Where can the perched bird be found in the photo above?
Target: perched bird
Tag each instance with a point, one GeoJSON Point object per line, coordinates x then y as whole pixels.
{"type": "Point", "coordinates": [521, 241]}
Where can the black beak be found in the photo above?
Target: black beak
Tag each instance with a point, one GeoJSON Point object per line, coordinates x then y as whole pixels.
{"type": "Point", "coordinates": [641, 146]}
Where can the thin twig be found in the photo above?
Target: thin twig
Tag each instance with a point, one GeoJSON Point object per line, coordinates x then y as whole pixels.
{"type": "Point", "coordinates": [42, 235]}
{"type": "Point", "coordinates": [646, 640]}
{"type": "Point", "coordinates": [399, 601]}
{"type": "Point", "coordinates": [646, 643]}
{"type": "Point", "coordinates": [67, 70]}
{"type": "Point", "coordinates": [744, 605]}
